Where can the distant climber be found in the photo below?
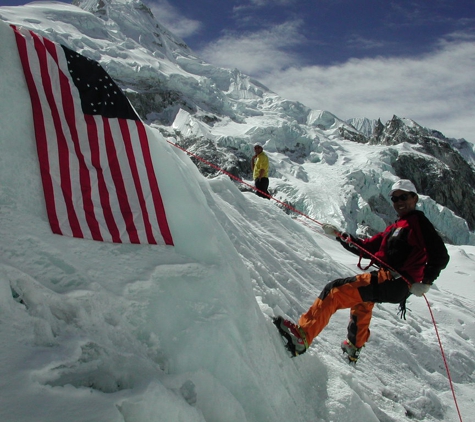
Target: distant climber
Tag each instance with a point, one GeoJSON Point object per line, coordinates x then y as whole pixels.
{"type": "Point", "coordinates": [260, 171]}
{"type": "Point", "coordinates": [411, 249]}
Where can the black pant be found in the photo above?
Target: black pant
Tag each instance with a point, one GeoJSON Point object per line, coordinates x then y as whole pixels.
{"type": "Point", "coordinates": [262, 186]}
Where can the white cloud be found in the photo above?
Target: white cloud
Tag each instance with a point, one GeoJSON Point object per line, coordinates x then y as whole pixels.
{"type": "Point", "coordinates": [258, 52]}
{"type": "Point", "coordinates": [262, 3]}
{"type": "Point", "coordinates": [436, 90]}
{"type": "Point", "coordinates": [361, 43]}
{"type": "Point", "coordinates": [173, 20]}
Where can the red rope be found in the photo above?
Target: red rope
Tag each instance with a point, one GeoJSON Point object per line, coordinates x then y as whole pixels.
{"type": "Point", "coordinates": [445, 360]}
{"type": "Point", "coordinates": [347, 240]}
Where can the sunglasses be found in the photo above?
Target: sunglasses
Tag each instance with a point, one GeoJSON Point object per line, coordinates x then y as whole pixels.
{"type": "Point", "coordinates": [403, 197]}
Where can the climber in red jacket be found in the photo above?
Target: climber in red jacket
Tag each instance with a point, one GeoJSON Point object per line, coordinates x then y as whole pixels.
{"type": "Point", "coordinates": [409, 254]}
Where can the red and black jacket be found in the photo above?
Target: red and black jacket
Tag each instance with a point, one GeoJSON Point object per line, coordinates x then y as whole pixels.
{"type": "Point", "coordinates": [411, 246]}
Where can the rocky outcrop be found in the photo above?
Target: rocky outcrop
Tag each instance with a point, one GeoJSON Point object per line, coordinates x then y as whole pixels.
{"type": "Point", "coordinates": [438, 171]}
{"type": "Point", "coordinates": [352, 135]}
{"type": "Point", "coordinates": [449, 186]}
{"type": "Point", "coordinates": [232, 161]}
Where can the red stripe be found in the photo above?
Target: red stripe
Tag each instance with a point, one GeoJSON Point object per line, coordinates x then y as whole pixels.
{"type": "Point", "coordinates": [118, 180]}
{"type": "Point", "coordinates": [70, 116]}
{"type": "Point", "coordinates": [63, 151]}
{"type": "Point", "coordinates": [135, 175]}
{"type": "Point", "coordinates": [103, 192]}
{"type": "Point", "coordinates": [157, 198]}
{"type": "Point", "coordinates": [40, 132]}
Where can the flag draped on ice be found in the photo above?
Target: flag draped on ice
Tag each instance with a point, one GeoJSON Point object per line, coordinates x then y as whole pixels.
{"type": "Point", "coordinates": [97, 172]}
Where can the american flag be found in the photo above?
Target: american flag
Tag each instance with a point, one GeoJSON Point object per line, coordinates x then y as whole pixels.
{"type": "Point", "coordinates": [97, 172]}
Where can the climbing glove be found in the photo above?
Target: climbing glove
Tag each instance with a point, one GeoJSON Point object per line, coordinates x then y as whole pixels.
{"type": "Point", "coordinates": [419, 289]}
{"type": "Point", "coordinates": [330, 229]}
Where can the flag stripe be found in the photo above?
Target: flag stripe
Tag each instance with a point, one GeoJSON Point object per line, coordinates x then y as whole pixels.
{"type": "Point", "coordinates": [117, 180]}
{"type": "Point", "coordinates": [48, 72]}
{"type": "Point", "coordinates": [40, 132]}
{"type": "Point", "coordinates": [71, 119]}
{"type": "Point", "coordinates": [153, 186]}
{"type": "Point", "coordinates": [97, 171]}
{"type": "Point", "coordinates": [136, 180]}
{"type": "Point", "coordinates": [107, 217]}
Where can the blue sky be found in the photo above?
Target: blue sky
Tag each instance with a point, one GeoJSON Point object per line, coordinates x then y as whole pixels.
{"type": "Point", "coordinates": [354, 58]}
{"type": "Point", "coordinates": [324, 32]}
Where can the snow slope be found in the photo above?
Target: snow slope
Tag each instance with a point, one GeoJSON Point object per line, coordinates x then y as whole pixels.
{"type": "Point", "coordinates": [102, 332]}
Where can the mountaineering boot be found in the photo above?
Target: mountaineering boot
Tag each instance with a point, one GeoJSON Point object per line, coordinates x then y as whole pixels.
{"type": "Point", "coordinates": [353, 352]}
{"type": "Point", "coordinates": [294, 335]}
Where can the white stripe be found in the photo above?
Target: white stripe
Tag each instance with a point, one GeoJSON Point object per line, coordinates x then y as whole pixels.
{"type": "Point", "coordinates": [104, 164]}
{"type": "Point", "coordinates": [143, 179]}
{"type": "Point", "coordinates": [73, 159]}
{"type": "Point", "coordinates": [145, 183]}
{"type": "Point", "coordinates": [132, 192]}
{"type": "Point", "coordinates": [51, 139]}
{"type": "Point", "coordinates": [74, 164]}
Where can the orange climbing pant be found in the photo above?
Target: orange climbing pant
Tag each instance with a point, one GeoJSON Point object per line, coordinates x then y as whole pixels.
{"type": "Point", "coordinates": [358, 293]}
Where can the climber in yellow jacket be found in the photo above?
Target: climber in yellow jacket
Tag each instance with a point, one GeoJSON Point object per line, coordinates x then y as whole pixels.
{"type": "Point", "coordinates": [260, 171]}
